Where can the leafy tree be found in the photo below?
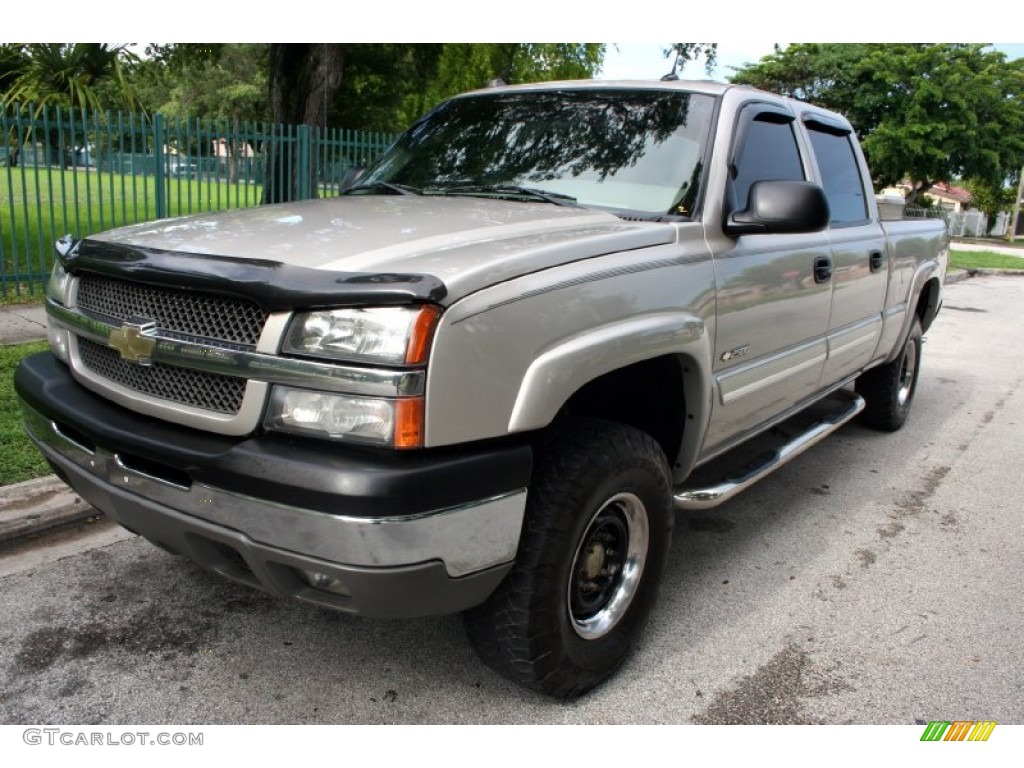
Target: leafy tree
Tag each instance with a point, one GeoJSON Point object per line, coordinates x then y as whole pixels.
{"type": "Point", "coordinates": [179, 56]}
{"type": "Point", "coordinates": [820, 73]}
{"type": "Point", "coordinates": [991, 198]}
{"type": "Point", "coordinates": [682, 53]}
{"type": "Point", "coordinates": [386, 86]}
{"type": "Point", "coordinates": [228, 86]}
{"type": "Point", "coordinates": [924, 111]}
{"type": "Point", "coordinates": [461, 67]}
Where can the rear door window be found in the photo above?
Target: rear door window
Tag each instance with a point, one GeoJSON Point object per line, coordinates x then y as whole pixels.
{"type": "Point", "coordinates": [840, 175]}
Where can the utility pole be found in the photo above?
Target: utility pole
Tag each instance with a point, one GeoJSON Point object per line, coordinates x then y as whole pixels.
{"type": "Point", "coordinates": [1016, 207]}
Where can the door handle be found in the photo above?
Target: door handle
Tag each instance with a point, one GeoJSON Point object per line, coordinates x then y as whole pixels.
{"type": "Point", "coordinates": [876, 261]}
{"type": "Point", "coordinates": [822, 269]}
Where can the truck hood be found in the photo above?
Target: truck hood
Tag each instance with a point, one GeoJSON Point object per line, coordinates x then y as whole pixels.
{"type": "Point", "coordinates": [467, 243]}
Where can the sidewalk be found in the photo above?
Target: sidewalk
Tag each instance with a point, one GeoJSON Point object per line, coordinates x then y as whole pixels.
{"type": "Point", "coordinates": [991, 247]}
{"type": "Point", "coordinates": [36, 505]}
{"type": "Point", "coordinates": [22, 322]}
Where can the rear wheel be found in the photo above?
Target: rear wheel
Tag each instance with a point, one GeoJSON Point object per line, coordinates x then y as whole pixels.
{"type": "Point", "coordinates": [596, 536]}
{"type": "Point", "coordinates": [889, 389]}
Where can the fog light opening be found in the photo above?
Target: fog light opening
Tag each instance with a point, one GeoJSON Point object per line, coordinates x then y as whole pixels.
{"type": "Point", "coordinates": [323, 582]}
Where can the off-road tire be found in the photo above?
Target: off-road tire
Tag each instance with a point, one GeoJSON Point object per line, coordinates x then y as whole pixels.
{"type": "Point", "coordinates": [597, 485]}
{"type": "Point", "coordinates": [889, 389]}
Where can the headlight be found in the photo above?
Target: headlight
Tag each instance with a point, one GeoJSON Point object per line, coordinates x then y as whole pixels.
{"type": "Point", "coordinates": [379, 421]}
{"type": "Point", "coordinates": [390, 335]}
{"type": "Point", "coordinates": [57, 286]}
{"type": "Point", "coordinates": [57, 290]}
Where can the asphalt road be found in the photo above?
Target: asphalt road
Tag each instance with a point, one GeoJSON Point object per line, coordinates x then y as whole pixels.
{"type": "Point", "coordinates": [876, 579]}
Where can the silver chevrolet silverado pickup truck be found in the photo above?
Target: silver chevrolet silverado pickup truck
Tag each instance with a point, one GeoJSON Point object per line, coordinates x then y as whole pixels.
{"type": "Point", "coordinates": [484, 377]}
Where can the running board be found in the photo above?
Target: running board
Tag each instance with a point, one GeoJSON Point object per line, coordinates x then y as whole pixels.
{"type": "Point", "coordinates": [846, 406]}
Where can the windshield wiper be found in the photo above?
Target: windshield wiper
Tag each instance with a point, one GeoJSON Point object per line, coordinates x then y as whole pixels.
{"type": "Point", "coordinates": [383, 186]}
{"type": "Point", "coordinates": [502, 190]}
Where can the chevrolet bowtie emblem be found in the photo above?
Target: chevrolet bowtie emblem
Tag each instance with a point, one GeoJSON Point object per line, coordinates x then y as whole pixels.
{"type": "Point", "coordinates": [132, 341]}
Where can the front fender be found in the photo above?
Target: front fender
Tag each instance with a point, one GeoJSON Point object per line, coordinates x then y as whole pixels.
{"type": "Point", "coordinates": [506, 359]}
{"type": "Point", "coordinates": [564, 367]}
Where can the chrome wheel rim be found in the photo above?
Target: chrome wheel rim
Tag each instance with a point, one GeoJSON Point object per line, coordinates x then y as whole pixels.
{"type": "Point", "coordinates": [608, 565]}
{"type": "Point", "coordinates": [907, 370]}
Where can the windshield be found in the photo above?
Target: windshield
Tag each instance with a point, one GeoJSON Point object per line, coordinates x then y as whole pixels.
{"type": "Point", "coordinates": [636, 151]}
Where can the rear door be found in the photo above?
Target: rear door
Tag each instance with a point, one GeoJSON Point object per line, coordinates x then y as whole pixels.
{"type": "Point", "coordinates": [858, 245]}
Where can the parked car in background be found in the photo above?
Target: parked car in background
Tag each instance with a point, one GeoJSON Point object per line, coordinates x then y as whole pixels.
{"type": "Point", "coordinates": [184, 170]}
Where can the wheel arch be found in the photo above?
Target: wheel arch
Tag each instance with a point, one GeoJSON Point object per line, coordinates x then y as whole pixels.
{"type": "Point", "coordinates": [929, 302]}
{"type": "Point", "coordinates": [649, 373]}
{"type": "Point", "coordinates": [924, 299]}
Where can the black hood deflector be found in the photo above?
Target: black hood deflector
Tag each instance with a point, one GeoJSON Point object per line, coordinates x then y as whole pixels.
{"type": "Point", "coordinates": [271, 284]}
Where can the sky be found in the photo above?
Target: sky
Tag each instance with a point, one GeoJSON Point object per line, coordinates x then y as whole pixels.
{"type": "Point", "coordinates": [749, 28]}
{"type": "Point", "coordinates": [751, 25]}
{"type": "Point", "coordinates": [646, 61]}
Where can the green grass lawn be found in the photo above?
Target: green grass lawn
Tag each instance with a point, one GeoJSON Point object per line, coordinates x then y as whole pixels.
{"type": "Point", "coordinates": [38, 205]}
{"type": "Point", "coordinates": [984, 260]}
{"type": "Point", "coordinates": [19, 460]}
{"type": "Point", "coordinates": [23, 294]}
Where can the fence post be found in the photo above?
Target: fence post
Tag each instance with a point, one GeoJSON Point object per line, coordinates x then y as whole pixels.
{"type": "Point", "coordinates": [158, 154]}
{"type": "Point", "coordinates": [304, 162]}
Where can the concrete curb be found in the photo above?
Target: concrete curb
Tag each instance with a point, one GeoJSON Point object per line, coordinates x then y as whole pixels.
{"type": "Point", "coordinates": [955, 276]}
{"type": "Point", "coordinates": [965, 274]}
{"type": "Point", "coordinates": [38, 505]}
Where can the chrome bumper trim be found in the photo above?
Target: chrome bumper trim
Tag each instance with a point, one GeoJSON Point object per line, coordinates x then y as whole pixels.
{"type": "Point", "coordinates": [466, 539]}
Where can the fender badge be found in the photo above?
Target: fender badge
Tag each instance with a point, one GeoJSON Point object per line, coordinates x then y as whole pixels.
{"type": "Point", "coordinates": [132, 342]}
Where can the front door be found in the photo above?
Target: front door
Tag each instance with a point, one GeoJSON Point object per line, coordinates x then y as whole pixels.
{"type": "Point", "coordinates": [774, 297]}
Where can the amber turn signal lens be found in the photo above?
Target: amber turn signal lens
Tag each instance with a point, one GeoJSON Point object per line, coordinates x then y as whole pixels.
{"type": "Point", "coordinates": [422, 333]}
{"type": "Point", "coordinates": [409, 427]}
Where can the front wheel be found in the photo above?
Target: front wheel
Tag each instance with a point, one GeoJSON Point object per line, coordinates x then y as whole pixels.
{"type": "Point", "coordinates": [889, 389]}
{"type": "Point", "coordinates": [598, 527]}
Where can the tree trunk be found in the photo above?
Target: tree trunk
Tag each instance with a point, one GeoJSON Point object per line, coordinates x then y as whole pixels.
{"type": "Point", "coordinates": [304, 78]}
{"type": "Point", "coordinates": [917, 188]}
{"type": "Point", "coordinates": [56, 151]}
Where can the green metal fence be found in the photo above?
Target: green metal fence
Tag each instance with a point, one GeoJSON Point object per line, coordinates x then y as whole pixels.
{"type": "Point", "coordinates": [81, 172]}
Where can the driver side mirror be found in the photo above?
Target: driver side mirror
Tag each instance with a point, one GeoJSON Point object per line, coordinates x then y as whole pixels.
{"type": "Point", "coordinates": [780, 207]}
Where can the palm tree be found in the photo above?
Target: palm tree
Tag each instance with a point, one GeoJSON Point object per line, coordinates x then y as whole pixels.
{"type": "Point", "coordinates": [70, 75]}
{"type": "Point", "coordinates": [65, 75]}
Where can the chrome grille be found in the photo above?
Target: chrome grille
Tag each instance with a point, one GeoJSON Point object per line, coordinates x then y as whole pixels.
{"type": "Point", "coordinates": [198, 389]}
{"type": "Point", "coordinates": [198, 314]}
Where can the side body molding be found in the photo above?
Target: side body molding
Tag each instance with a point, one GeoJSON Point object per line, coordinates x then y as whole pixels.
{"type": "Point", "coordinates": [557, 373]}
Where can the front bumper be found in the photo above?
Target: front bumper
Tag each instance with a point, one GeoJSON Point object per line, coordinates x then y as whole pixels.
{"type": "Point", "coordinates": [429, 549]}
